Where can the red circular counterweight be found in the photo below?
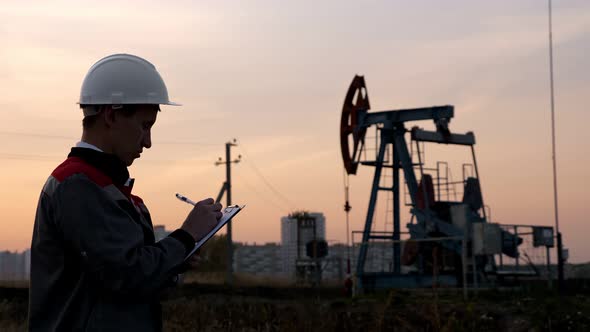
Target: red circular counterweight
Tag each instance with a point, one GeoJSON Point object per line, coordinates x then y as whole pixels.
{"type": "Point", "coordinates": [349, 129]}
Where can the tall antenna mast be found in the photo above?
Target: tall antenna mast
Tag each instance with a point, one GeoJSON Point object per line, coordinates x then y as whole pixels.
{"type": "Point", "coordinates": [559, 244]}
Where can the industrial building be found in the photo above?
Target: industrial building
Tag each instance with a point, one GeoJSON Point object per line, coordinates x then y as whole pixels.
{"type": "Point", "coordinates": [295, 234]}
{"type": "Point", "coordinates": [160, 232]}
{"type": "Point", "coordinates": [281, 259]}
{"type": "Point", "coordinates": [15, 265]}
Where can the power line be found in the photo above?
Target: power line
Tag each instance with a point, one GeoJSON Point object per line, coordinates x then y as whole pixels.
{"type": "Point", "coordinates": [270, 186]}
{"type": "Point", "coordinates": [14, 133]}
{"type": "Point", "coordinates": [259, 194]}
{"type": "Point", "coordinates": [33, 157]}
{"type": "Point", "coordinates": [186, 143]}
{"type": "Point", "coordinates": [36, 157]}
{"type": "Point", "coordinates": [266, 182]}
{"type": "Point", "coordinates": [170, 161]}
{"type": "Point", "coordinates": [52, 136]}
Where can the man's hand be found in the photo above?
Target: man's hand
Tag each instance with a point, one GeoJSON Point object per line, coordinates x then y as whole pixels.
{"type": "Point", "coordinates": [194, 260]}
{"type": "Point", "coordinates": [202, 219]}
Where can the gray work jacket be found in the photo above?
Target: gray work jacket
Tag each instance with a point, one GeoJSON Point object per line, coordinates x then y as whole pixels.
{"type": "Point", "coordinates": [94, 263]}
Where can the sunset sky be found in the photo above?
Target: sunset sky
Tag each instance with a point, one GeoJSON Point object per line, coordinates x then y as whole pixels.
{"type": "Point", "coordinates": [273, 75]}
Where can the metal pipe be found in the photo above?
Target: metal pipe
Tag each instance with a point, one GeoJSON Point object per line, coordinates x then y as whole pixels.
{"type": "Point", "coordinates": [422, 184]}
{"type": "Point", "coordinates": [560, 276]}
{"type": "Point", "coordinates": [516, 248]}
{"type": "Point", "coordinates": [370, 211]}
{"type": "Point", "coordinates": [477, 175]}
{"type": "Point", "coordinates": [396, 214]}
{"type": "Point", "coordinates": [548, 267]}
{"type": "Point", "coordinates": [474, 264]}
{"type": "Point", "coordinates": [464, 264]}
{"type": "Point", "coordinates": [438, 180]}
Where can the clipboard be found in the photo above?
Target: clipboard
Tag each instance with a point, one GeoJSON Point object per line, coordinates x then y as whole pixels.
{"type": "Point", "coordinates": [228, 213]}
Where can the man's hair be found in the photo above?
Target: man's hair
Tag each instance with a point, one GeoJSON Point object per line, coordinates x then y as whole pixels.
{"type": "Point", "coordinates": [94, 111]}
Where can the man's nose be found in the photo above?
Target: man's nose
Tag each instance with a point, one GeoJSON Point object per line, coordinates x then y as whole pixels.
{"type": "Point", "coordinates": [147, 139]}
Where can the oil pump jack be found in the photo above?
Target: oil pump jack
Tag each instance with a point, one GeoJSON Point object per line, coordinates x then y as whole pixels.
{"type": "Point", "coordinates": [432, 217]}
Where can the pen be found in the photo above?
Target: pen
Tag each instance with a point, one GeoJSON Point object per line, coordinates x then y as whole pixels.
{"type": "Point", "coordinates": [185, 199]}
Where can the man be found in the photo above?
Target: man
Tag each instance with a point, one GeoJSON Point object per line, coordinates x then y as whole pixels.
{"type": "Point", "coordinates": [95, 265]}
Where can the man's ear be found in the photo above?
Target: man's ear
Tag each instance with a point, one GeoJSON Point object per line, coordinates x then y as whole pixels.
{"type": "Point", "coordinates": [109, 115]}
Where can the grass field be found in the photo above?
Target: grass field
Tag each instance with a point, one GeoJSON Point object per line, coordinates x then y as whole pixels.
{"type": "Point", "coordinates": [204, 304]}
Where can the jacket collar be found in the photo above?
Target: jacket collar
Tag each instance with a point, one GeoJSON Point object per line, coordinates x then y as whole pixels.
{"type": "Point", "coordinates": [83, 144]}
{"type": "Point", "coordinates": [107, 163]}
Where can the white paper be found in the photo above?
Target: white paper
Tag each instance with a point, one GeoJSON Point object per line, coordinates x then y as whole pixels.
{"type": "Point", "coordinates": [228, 213]}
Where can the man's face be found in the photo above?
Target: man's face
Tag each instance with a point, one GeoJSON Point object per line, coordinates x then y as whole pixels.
{"type": "Point", "coordinates": [130, 134]}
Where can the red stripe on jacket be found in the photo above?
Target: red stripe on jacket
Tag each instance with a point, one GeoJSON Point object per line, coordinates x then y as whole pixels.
{"type": "Point", "coordinates": [75, 165]}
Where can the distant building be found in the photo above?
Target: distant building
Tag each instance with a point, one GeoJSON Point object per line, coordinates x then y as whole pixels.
{"type": "Point", "coordinates": [266, 260]}
{"type": "Point", "coordinates": [160, 232]}
{"type": "Point", "coordinates": [270, 259]}
{"type": "Point", "coordinates": [295, 235]}
{"type": "Point", "coordinates": [261, 260]}
{"type": "Point", "coordinates": [17, 266]}
{"type": "Point", "coordinates": [14, 265]}
{"type": "Point", "coordinates": [27, 264]}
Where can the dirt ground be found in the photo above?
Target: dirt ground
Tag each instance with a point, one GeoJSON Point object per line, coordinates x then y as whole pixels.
{"type": "Point", "coordinates": [215, 307]}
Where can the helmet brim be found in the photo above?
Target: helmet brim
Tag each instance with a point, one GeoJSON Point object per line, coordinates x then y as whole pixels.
{"type": "Point", "coordinates": [171, 103]}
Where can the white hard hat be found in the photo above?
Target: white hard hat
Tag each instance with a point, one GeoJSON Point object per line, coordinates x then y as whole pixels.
{"type": "Point", "coordinates": [121, 79]}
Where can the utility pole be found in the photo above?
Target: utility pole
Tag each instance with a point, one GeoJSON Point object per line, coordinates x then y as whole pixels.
{"type": "Point", "coordinates": [226, 188]}
{"type": "Point", "coordinates": [560, 260]}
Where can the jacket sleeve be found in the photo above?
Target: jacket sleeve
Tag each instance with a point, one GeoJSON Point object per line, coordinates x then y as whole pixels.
{"type": "Point", "coordinates": [110, 243]}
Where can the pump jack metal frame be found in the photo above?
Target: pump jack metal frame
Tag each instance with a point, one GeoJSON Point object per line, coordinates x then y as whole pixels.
{"type": "Point", "coordinates": [391, 124]}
